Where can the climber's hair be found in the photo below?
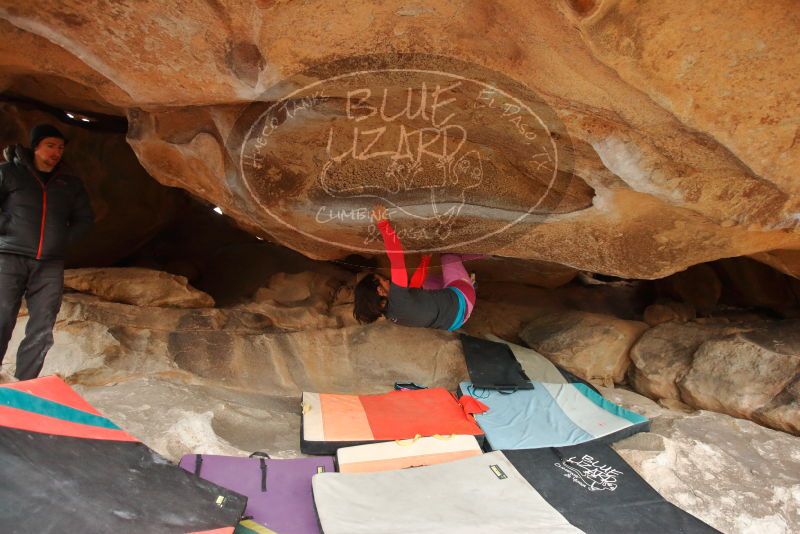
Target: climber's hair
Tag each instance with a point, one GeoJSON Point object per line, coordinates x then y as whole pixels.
{"type": "Point", "coordinates": [369, 304]}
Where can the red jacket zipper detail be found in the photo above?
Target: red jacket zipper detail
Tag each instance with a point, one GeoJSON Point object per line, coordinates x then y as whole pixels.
{"type": "Point", "coordinates": [44, 211]}
{"type": "Point", "coordinates": [44, 218]}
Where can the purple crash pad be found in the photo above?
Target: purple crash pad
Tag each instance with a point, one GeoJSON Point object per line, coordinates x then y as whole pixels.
{"type": "Point", "coordinates": [278, 491]}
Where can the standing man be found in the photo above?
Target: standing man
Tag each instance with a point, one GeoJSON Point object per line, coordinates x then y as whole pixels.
{"type": "Point", "coordinates": [43, 209]}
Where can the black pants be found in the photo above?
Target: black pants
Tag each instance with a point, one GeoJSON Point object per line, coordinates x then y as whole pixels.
{"type": "Point", "coordinates": [41, 282]}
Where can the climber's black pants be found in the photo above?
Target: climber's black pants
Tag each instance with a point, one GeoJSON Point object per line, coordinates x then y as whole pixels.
{"type": "Point", "coordinates": [41, 282]}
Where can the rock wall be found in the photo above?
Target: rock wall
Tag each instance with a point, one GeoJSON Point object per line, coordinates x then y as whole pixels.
{"type": "Point", "coordinates": [674, 124]}
{"type": "Point", "coordinates": [715, 466]}
{"type": "Point", "coordinates": [745, 369]}
{"type": "Point", "coordinates": [594, 346]}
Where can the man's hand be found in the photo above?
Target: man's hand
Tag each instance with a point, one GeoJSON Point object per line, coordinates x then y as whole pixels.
{"type": "Point", "coordinates": [379, 212]}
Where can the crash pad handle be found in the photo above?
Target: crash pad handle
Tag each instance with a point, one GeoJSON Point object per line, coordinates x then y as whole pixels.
{"type": "Point", "coordinates": [472, 390]}
{"type": "Point", "coordinates": [261, 454]}
{"type": "Point", "coordinates": [408, 442]}
{"type": "Point", "coordinates": [263, 474]}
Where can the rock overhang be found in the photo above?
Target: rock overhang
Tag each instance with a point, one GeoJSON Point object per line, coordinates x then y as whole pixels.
{"type": "Point", "coordinates": [653, 187]}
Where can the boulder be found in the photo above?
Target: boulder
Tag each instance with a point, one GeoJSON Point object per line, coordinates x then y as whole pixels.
{"type": "Point", "coordinates": [661, 165]}
{"type": "Point", "coordinates": [746, 372]}
{"type": "Point", "coordinates": [715, 467]}
{"type": "Point", "coordinates": [137, 286]}
{"type": "Point", "coordinates": [503, 308]}
{"type": "Point", "coordinates": [176, 415]}
{"type": "Point", "coordinates": [664, 312]}
{"type": "Point", "coordinates": [305, 300]}
{"type": "Point", "coordinates": [593, 346]}
{"type": "Point", "coordinates": [783, 411]}
{"type": "Point", "coordinates": [664, 354]}
{"type": "Point", "coordinates": [98, 342]}
{"type": "Point", "coordinates": [78, 307]}
{"type": "Point", "coordinates": [747, 369]}
{"type": "Point", "coordinates": [324, 360]}
{"type": "Point", "coordinates": [684, 59]}
{"type": "Point", "coordinates": [785, 261]}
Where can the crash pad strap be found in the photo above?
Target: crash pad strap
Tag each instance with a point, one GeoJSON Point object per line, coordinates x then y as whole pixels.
{"type": "Point", "coordinates": [263, 464]}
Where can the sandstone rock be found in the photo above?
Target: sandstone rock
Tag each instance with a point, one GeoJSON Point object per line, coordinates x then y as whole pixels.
{"type": "Point", "coordinates": [664, 312]}
{"type": "Point", "coordinates": [291, 289]}
{"type": "Point", "coordinates": [7, 379]}
{"type": "Point", "coordinates": [746, 368]}
{"type": "Point", "coordinates": [593, 346]}
{"type": "Point", "coordinates": [176, 415]}
{"type": "Point", "coordinates": [530, 272]}
{"type": "Point", "coordinates": [664, 354]}
{"type": "Point", "coordinates": [785, 261]}
{"type": "Point", "coordinates": [77, 307]}
{"type": "Point", "coordinates": [684, 60]}
{"type": "Point", "coordinates": [747, 283]}
{"type": "Point", "coordinates": [99, 342]}
{"type": "Point", "coordinates": [697, 286]}
{"type": "Point", "coordinates": [715, 467]}
{"type": "Point", "coordinates": [322, 360]}
{"type": "Point", "coordinates": [744, 373]}
{"type": "Point", "coordinates": [632, 401]}
{"type": "Point", "coordinates": [83, 346]}
{"type": "Point", "coordinates": [54, 74]}
{"type": "Point", "coordinates": [504, 308]}
{"type": "Point", "coordinates": [682, 149]}
{"type": "Point", "coordinates": [667, 167]}
{"type": "Point", "coordinates": [304, 300]}
{"type": "Point", "coordinates": [783, 411]}
{"type": "Point", "coordinates": [675, 405]}
{"type": "Point", "coordinates": [140, 287]}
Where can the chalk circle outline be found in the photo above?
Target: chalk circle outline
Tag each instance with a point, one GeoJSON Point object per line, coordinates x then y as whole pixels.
{"type": "Point", "coordinates": [261, 117]}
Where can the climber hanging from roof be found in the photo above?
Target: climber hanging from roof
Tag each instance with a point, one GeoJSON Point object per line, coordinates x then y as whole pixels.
{"type": "Point", "coordinates": [443, 302]}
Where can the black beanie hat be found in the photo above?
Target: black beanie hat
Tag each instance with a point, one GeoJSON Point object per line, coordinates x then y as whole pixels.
{"type": "Point", "coordinates": [40, 131]}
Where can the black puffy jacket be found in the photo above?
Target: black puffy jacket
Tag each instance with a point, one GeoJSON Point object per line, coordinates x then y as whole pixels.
{"type": "Point", "coordinates": [39, 220]}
